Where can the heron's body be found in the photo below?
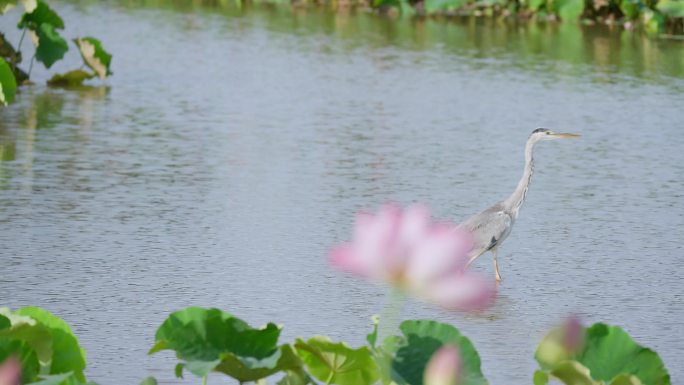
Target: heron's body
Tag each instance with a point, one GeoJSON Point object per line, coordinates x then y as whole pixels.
{"type": "Point", "coordinates": [493, 225]}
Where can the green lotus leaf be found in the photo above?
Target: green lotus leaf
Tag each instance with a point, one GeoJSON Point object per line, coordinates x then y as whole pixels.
{"type": "Point", "coordinates": [251, 369]}
{"type": "Point", "coordinates": [568, 10]}
{"type": "Point", "coordinates": [337, 363]}
{"type": "Point", "coordinates": [42, 14]}
{"type": "Point", "coordinates": [4, 321]}
{"type": "Point", "coordinates": [540, 378]}
{"type": "Point", "coordinates": [372, 337]}
{"type": "Point", "coordinates": [631, 8]}
{"type": "Point", "coordinates": [608, 355]}
{"type": "Point", "coordinates": [406, 8]}
{"type": "Point", "coordinates": [385, 3]}
{"type": "Point", "coordinates": [672, 8]}
{"type": "Point", "coordinates": [70, 79]}
{"type": "Point", "coordinates": [198, 368]}
{"type": "Point", "coordinates": [149, 381]}
{"type": "Point", "coordinates": [30, 366]}
{"type": "Point", "coordinates": [295, 377]}
{"type": "Point", "coordinates": [94, 55]}
{"type": "Point", "coordinates": [421, 340]}
{"type": "Point", "coordinates": [8, 87]}
{"type": "Point", "coordinates": [178, 370]}
{"type": "Point", "coordinates": [26, 329]}
{"type": "Point", "coordinates": [652, 20]}
{"type": "Point", "coordinates": [50, 45]}
{"type": "Point", "coordinates": [6, 5]}
{"type": "Point", "coordinates": [29, 5]}
{"type": "Point", "coordinates": [214, 340]}
{"type": "Point", "coordinates": [57, 379]}
{"type": "Point", "coordinates": [573, 373]}
{"type": "Point", "coordinates": [384, 356]}
{"type": "Point", "coordinates": [68, 355]}
{"type": "Point", "coordinates": [626, 379]}
{"type": "Point", "coordinates": [535, 4]}
{"type": "Point", "coordinates": [432, 6]}
{"type": "Point", "coordinates": [609, 351]}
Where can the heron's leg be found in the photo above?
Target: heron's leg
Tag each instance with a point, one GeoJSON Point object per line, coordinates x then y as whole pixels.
{"type": "Point", "coordinates": [472, 259]}
{"type": "Point", "coordinates": [496, 266]}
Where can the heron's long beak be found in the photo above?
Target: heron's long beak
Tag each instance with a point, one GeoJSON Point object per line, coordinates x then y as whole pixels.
{"type": "Point", "coordinates": [565, 135]}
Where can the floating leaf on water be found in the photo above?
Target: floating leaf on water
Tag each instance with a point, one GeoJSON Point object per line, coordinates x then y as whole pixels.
{"type": "Point", "coordinates": [149, 381]}
{"type": "Point", "coordinates": [94, 55]}
{"type": "Point", "coordinates": [70, 79]}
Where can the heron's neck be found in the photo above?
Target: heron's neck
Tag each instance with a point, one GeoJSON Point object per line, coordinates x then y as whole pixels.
{"type": "Point", "coordinates": [516, 199]}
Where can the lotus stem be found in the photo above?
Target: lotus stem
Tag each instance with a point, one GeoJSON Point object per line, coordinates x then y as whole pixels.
{"type": "Point", "coordinates": [389, 320]}
{"type": "Point", "coordinates": [204, 380]}
{"type": "Point", "coordinates": [21, 39]}
{"type": "Point", "coordinates": [31, 65]}
{"type": "Point", "coordinates": [330, 377]}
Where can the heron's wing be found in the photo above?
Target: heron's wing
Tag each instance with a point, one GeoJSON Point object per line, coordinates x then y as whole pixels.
{"type": "Point", "coordinates": [489, 228]}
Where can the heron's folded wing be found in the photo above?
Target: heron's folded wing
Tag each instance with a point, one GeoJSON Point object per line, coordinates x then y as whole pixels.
{"type": "Point", "coordinates": [488, 228]}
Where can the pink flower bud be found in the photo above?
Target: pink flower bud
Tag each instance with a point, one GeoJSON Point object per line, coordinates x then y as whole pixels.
{"type": "Point", "coordinates": [573, 334]}
{"type": "Point", "coordinates": [444, 368]}
{"type": "Point", "coordinates": [10, 371]}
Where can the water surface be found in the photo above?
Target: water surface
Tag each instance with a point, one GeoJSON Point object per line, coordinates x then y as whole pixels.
{"type": "Point", "coordinates": [231, 148]}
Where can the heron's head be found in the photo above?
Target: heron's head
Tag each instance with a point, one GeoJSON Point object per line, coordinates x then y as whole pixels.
{"type": "Point", "coordinates": [545, 134]}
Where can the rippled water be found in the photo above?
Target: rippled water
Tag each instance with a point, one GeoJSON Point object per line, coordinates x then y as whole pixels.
{"type": "Point", "coordinates": [229, 151]}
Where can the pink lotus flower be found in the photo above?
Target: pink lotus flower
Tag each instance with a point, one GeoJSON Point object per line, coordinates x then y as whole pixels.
{"type": "Point", "coordinates": [407, 250]}
{"type": "Point", "coordinates": [444, 367]}
{"type": "Point", "coordinates": [10, 371]}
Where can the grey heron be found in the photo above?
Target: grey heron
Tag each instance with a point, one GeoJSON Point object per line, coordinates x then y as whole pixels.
{"type": "Point", "coordinates": [491, 227]}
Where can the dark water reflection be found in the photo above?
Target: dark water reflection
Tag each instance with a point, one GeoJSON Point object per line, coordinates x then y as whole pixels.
{"type": "Point", "coordinates": [228, 152]}
{"type": "Point", "coordinates": [554, 49]}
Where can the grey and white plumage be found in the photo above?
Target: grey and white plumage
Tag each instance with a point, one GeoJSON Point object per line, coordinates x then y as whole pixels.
{"type": "Point", "coordinates": [491, 227]}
